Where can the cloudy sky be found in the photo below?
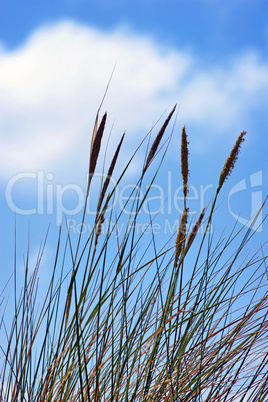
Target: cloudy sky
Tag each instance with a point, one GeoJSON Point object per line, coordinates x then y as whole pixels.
{"type": "Point", "coordinates": [210, 57]}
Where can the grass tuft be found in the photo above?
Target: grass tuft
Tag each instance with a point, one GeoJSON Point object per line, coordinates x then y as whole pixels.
{"type": "Point", "coordinates": [125, 318]}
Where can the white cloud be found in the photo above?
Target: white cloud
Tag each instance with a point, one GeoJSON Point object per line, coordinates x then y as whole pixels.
{"type": "Point", "coordinates": [52, 86]}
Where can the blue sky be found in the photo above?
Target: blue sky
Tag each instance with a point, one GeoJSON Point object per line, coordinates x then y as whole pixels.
{"type": "Point", "coordinates": [209, 57]}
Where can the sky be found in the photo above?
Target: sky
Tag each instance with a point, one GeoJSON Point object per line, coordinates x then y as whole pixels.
{"type": "Point", "coordinates": [210, 57]}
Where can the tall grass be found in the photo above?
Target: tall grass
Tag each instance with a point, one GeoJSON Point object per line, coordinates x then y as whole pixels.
{"type": "Point", "coordinates": [183, 322]}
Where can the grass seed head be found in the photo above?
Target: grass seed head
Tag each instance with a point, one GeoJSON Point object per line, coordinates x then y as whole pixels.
{"type": "Point", "coordinates": [184, 161]}
{"type": "Point", "coordinates": [231, 160]}
{"type": "Point", "coordinates": [181, 234]}
{"type": "Point", "coordinates": [96, 146]}
{"type": "Point", "coordinates": [157, 141]}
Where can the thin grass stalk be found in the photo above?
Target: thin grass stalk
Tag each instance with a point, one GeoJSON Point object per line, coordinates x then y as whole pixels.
{"type": "Point", "coordinates": [133, 231]}
{"type": "Point", "coordinates": [25, 353]}
{"type": "Point", "coordinates": [138, 208]}
{"type": "Point", "coordinates": [124, 207]}
{"type": "Point", "coordinates": [114, 227]}
{"type": "Point", "coordinates": [226, 171]}
{"type": "Point", "coordinates": [160, 285]}
{"type": "Point", "coordinates": [95, 148]}
{"type": "Point", "coordinates": [194, 232]}
{"type": "Point", "coordinates": [181, 233]}
{"type": "Point", "coordinates": [109, 175]}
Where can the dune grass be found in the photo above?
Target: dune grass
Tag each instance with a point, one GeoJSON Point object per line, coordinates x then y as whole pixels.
{"type": "Point", "coordinates": [134, 322]}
